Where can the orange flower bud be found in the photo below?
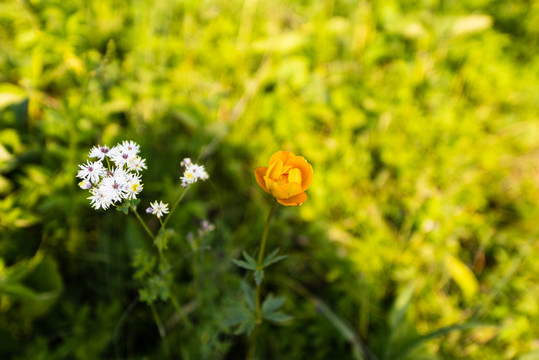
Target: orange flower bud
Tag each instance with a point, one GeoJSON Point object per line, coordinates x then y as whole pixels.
{"type": "Point", "coordinates": [287, 177]}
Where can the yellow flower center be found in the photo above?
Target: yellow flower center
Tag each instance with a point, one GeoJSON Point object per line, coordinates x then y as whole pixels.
{"type": "Point", "coordinates": [134, 187]}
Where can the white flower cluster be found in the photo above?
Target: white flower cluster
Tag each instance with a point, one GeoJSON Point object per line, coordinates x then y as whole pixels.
{"type": "Point", "coordinates": [109, 185]}
{"type": "Point", "coordinates": [192, 173]}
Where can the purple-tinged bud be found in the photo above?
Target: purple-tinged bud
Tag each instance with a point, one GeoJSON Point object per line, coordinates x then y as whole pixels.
{"type": "Point", "coordinates": [185, 162]}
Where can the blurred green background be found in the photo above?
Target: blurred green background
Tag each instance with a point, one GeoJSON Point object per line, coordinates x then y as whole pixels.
{"type": "Point", "coordinates": [420, 120]}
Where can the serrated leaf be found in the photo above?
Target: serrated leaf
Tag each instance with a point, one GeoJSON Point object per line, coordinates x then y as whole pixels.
{"type": "Point", "coordinates": [272, 304]}
{"type": "Point", "coordinates": [273, 261]}
{"type": "Point", "coordinates": [277, 316]}
{"type": "Point", "coordinates": [123, 208]}
{"type": "Point", "coordinates": [259, 275]}
{"type": "Point", "coordinates": [245, 327]}
{"type": "Point", "coordinates": [249, 259]}
{"type": "Point", "coordinates": [273, 258]}
{"type": "Point", "coordinates": [236, 315]}
{"type": "Point", "coordinates": [249, 295]}
{"type": "Point", "coordinates": [244, 264]}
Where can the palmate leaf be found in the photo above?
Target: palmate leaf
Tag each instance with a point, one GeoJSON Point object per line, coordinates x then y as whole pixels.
{"type": "Point", "coordinates": [246, 327]}
{"type": "Point", "coordinates": [259, 275]}
{"type": "Point", "coordinates": [244, 264]}
{"type": "Point", "coordinates": [248, 294]}
{"type": "Point", "coordinates": [277, 316]}
{"type": "Point", "coordinates": [272, 304]}
{"type": "Point", "coordinates": [237, 315]}
{"type": "Point", "coordinates": [273, 258]}
{"type": "Point", "coordinates": [249, 259]}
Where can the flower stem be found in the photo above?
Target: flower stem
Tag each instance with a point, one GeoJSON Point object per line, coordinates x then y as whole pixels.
{"type": "Point", "coordinates": [259, 262]}
{"type": "Point", "coordinates": [148, 231]}
{"type": "Point", "coordinates": [164, 224]}
{"type": "Point", "coordinates": [179, 310]}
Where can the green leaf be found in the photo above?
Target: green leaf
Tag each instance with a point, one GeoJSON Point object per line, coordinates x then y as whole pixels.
{"type": "Point", "coordinates": [463, 276]}
{"type": "Point", "coordinates": [249, 295]}
{"type": "Point", "coordinates": [397, 316]}
{"type": "Point", "coordinates": [244, 264]}
{"type": "Point", "coordinates": [246, 327]}
{"type": "Point", "coordinates": [18, 291]}
{"type": "Point", "coordinates": [273, 258]}
{"type": "Point", "coordinates": [236, 315]}
{"type": "Point", "coordinates": [413, 344]}
{"type": "Point", "coordinates": [278, 317]}
{"type": "Point", "coordinates": [249, 259]}
{"type": "Point", "coordinates": [161, 240]}
{"type": "Point", "coordinates": [259, 275]}
{"type": "Point", "coordinates": [272, 304]}
{"type": "Point", "coordinates": [124, 207]}
{"type": "Point", "coordinates": [358, 348]}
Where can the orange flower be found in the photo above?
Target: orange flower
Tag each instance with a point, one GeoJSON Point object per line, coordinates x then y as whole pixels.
{"type": "Point", "coordinates": [287, 177]}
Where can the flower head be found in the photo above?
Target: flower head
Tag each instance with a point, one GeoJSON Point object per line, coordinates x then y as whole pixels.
{"type": "Point", "coordinates": [158, 208]}
{"type": "Point", "coordinates": [91, 171]}
{"type": "Point", "coordinates": [109, 185]}
{"type": "Point", "coordinates": [100, 198]}
{"type": "Point", "coordinates": [99, 152]}
{"type": "Point", "coordinates": [192, 173]}
{"type": "Point", "coordinates": [137, 164]}
{"type": "Point", "coordinates": [286, 178]}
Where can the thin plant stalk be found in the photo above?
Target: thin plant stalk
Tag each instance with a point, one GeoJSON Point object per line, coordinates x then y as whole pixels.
{"type": "Point", "coordinates": [164, 224]}
{"type": "Point", "coordinates": [259, 262]}
{"type": "Point", "coordinates": [148, 231]}
{"type": "Point", "coordinates": [258, 313]}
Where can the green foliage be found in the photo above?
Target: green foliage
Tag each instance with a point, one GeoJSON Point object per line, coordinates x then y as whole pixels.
{"type": "Point", "coordinates": [420, 121]}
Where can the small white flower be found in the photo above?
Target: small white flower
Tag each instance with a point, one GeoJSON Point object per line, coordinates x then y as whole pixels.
{"type": "Point", "coordinates": [159, 208]}
{"type": "Point", "coordinates": [99, 199]}
{"type": "Point", "coordinates": [136, 164]}
{"type": "Point", "coordinates": [193, 173]}
{"type": "Point", "coordinates": [121, 156]}
{"type": "Point", "coordinates": [114, 186]}
{"type": "Point", "coordinates": [205, 227]}
{"type": "Point", "coordinates": [133, 190]}
{"type": "Point", "coordinates": [91, 171]}
{"type": "Point", "coordinates": [200, 172]}
{"type": "Point", "coordinates": [85, 185]}
{"type": "Point", "coordinates": [131, 147]}
{"type": "Point", "coordinates": [99, 152]}
{"type": "Point", "coordinates": [188, 177]}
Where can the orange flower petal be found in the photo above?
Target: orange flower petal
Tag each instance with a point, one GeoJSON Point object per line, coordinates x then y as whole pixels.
{"type": "Point", "coordinates": [305, 168]}
{"type": "Point", "coordinates": [281, 155]}
{"type": "Point", "coordinates": [275, 169]}
{"type": "Point", "coordinates": [294, 200]}
{"type": "Point", "coordinates": [283, 191]}
{"type": "Point", "coordinates": [260, 172]}
{"type": "Point", "coordinates": [291, 189]}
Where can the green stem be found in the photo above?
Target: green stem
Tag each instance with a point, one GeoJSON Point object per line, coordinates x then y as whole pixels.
{"type": "Point", "coordinates": [164, 224]}
{"type": "Point", "coordinates": [252, 344]}
{"type": "Point", "coordinates": [162, 331]}
{"type": "Point", "coordinates": [259, 262]}
{"type": "Point", "coordinates": [179, 310]}
{"type": "Point", "coordinates": [148, 231]}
